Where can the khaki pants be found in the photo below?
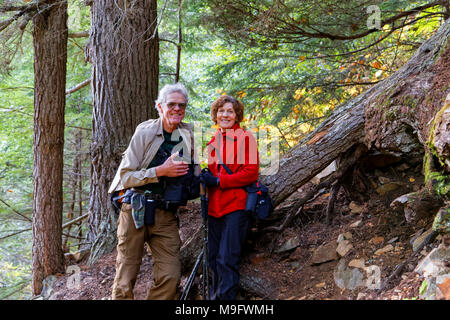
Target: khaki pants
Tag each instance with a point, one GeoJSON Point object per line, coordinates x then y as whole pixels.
{"type": "Point", "coordinates": [164, 241]}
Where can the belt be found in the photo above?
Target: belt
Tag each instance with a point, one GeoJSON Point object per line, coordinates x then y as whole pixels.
{"type": "Point", "coordinates": [160, 202]}
{"type": "Point", "coordinates": [149, 195]}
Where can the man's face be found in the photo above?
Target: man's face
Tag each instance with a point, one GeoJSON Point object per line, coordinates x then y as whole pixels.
{"type": "Point", "coordinates": [172, 110]}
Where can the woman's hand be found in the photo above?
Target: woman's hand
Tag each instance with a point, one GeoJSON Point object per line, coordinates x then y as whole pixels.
{"type": "Point", "coordinates": [209, 180]}
{"type": "Point", "coordinates": [172, 168]}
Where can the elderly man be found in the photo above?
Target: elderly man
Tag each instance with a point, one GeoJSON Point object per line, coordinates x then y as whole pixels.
{"type": "Point", "coordinates": [150, 166]}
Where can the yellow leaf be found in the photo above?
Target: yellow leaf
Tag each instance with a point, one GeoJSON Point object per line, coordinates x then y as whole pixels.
{"type": "Point", "coordinates": [242, 94]}
{"type": "Point", "coordinates": [412, 179]}
{"type": "Point", "coordinates": [317, 90]}
{"type": "Point", "coordinates": [302, 58]}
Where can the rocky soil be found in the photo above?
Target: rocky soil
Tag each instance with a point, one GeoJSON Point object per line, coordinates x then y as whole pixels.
{"type": "Point", "coordinates": [310, 260]}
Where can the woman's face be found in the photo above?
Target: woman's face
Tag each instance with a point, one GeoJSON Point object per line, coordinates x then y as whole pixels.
{"type": "Point", "coordinates": [226, 116]}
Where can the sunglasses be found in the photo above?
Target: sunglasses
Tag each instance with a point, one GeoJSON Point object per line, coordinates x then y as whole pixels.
{"type": "Point", "coordinates": [172, 105]}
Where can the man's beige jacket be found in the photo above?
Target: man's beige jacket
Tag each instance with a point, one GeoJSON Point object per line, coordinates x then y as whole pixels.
{"type": "Point", "coordinates": [144, 144]}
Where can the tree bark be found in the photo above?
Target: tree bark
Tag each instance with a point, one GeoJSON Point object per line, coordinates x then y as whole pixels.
{"type": "Point", "coordinates": [123, 50]}
{"type": "Point", "coordinates": [50, 55]}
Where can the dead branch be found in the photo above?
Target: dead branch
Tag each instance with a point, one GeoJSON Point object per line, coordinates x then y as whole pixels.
{"type": "Point", "coordinates": [25, 10]}
{"type": "Point", "coordinates": [81, 128]}
{"type": "Point", "coordinates": [5, 23]}
{"type": "Point", "coordinates": [399, 268]}
{"type": "Point", "coordinates": [75, 220]}
{"type": "Point", "coordinates": [16, 212]}
{"type": "Point", "coordinates": [78, 86]}
{"type": "Point", "coordinates": [15, 233]}
{"type": "Point", "coordinates": [330, 207]}
{"type": "Point", "coordinates": [20, 286]}
{"type": "Point", "coordinates": [346, 164]}
{"type": "Point", "coordinates": [74, 237]}
{"type": "Point", "coordinates": [286, 221]}
{"type": "Point", "coordinates": [82, 34]}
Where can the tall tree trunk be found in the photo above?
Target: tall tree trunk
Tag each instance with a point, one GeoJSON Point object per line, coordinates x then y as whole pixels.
{"type": "Point", "coordinates": [50, 55]}
{"type": "Point", "coordinates": [124, 52]}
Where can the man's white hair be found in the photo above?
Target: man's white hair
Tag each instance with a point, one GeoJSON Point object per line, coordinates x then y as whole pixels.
{"type": "Point", "coordinates": [171, 88]}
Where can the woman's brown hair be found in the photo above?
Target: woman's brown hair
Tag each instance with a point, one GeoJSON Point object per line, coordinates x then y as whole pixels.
{"type": "Point", "coordinates": [238, 107]}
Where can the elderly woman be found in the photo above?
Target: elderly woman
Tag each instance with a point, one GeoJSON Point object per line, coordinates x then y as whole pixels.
{"type": "Point", "coordinates": [228, 221]}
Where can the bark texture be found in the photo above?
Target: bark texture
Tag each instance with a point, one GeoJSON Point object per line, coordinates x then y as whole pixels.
{"type": "Point", "coordinates": [50, 55]}
{"type": "Point", "coordinates": [123, 49]}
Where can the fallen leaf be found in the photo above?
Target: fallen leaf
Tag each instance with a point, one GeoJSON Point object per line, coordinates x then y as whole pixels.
{"type": "Point", "coordinates": [376, 65]}
{"type": "Point", "coordinates": [320, 285]}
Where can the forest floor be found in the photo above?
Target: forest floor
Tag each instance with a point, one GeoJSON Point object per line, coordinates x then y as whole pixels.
{"type": "Point", "coordinates": [280, 264]}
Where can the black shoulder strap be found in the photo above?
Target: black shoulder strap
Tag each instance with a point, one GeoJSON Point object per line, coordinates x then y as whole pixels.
{"type": "Point", "coordinates": [223, 163]}
{"type": "Point", "coordinates": [226, 168]}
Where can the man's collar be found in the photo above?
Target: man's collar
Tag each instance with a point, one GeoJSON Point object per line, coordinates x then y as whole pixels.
{"type": "Point", "coordinates": [159, 131]}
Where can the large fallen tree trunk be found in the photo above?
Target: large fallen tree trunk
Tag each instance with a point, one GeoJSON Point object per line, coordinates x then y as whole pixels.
{"type": "Point", "coordinates": [393, 116]}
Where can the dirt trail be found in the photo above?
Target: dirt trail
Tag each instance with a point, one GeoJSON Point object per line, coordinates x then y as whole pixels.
{"type": "Point", "coordinates": [282, 262]}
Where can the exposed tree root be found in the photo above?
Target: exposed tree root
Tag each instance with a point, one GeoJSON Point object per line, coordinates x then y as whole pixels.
{"type": "Point", "coordinates": [398, 271]}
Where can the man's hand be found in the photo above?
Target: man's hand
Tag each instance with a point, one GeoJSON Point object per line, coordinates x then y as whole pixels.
{"type": "Point", "coordinates": [172, 168]}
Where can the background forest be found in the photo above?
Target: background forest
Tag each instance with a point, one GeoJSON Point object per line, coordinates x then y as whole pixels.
{"type": "Point", "coordinates": [291, 63]}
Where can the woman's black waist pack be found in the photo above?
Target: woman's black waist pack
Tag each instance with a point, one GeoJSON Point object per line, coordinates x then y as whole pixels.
{"type": "Point", "coordinates": [259, 202]}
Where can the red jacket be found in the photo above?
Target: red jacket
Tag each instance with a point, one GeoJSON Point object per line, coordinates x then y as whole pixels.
{"type": "Point", "coordinates": [243, 161]}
